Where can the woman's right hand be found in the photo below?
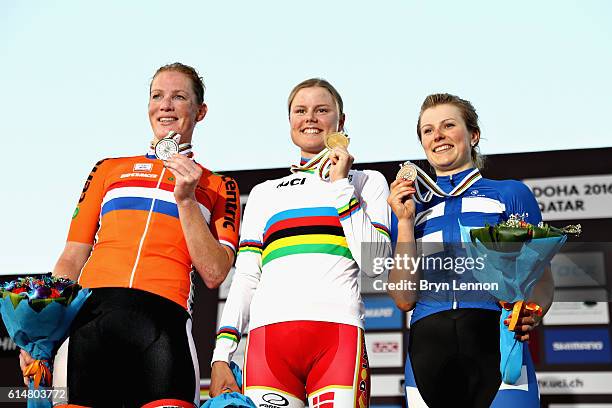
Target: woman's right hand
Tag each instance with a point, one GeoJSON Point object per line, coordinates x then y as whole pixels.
{"type": "Point", "coordinates": [222, 379]}
{"type": "Point", "coordinates": [400, 199]}
{"type": "Point", "coordinates": [25, 359]}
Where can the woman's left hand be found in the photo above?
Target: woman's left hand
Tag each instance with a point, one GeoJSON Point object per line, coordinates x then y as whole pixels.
{"type": "Point", "coordinates": [341, 161]}
{"type": "Point", "coordinates": [187, 174]}
{"type": "Point", "coordinates": [527, 322]}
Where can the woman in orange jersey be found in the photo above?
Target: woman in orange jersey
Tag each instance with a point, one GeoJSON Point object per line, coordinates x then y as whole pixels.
{"type": "Point", "coordinates": [141, 227]}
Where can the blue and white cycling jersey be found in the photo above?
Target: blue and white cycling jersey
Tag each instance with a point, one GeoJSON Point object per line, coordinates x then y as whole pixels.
{"type": "Point", "coordinates": [438, 226]}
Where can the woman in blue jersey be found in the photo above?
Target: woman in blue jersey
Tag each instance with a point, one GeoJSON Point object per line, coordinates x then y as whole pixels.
{"type": "Point", "coordinates": [453, 353]}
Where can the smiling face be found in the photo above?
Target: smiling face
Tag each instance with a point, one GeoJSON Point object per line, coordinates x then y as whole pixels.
{"type": "Point", "coordinates": [312, 115]}
{"type": "Point", "coordinates": [173, 106]}
{"type": "Point", "coordinates": [446, 140]}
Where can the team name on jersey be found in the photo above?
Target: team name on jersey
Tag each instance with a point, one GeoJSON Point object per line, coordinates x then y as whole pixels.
{"type": "Point", "coordinates": [127, 175]}
{"type": "Point", "coordinates": [231, 203]}
{"type": "Point", "coordinates": [88, 182]}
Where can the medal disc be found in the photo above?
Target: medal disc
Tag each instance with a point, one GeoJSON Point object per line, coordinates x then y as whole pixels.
{"type": "Point", "coordinates": [165, 148]}
{"type": "Point", "coordinates": [336, 139]}
{"type": "Point", "coordinates": [407, 172]}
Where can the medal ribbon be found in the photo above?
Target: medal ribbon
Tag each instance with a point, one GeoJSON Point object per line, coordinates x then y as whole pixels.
{"type": "Point", "coordinates": [424, 181]}
{"type": "Point", "coordinates": [39, 369]}
{"type": "Point", "coordinates": [321, 162]}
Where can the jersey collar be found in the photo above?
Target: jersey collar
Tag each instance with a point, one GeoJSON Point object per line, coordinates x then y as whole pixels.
{"type": "Point", "coordinates": [448, 183]}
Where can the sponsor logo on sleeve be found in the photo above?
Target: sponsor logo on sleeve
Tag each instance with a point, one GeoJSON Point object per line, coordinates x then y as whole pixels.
{"type": "Point", "coordinates": [231, 203]}
{"type": "Point", "coordinates": [88, 181]}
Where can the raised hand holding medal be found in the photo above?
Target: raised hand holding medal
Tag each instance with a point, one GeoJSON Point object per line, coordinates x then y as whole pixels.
{"type": "Point", "coordinates": [186, 172]}
{"type": "Point", "coordinates": [407, 171]}
{"type": "Point", "coordinates": [341, 160]}
{"type": "Point", "coordinates": [402, 191]}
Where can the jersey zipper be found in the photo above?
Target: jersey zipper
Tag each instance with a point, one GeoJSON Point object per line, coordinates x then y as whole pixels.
{"type": "Point", "coordinates": [144, 233]}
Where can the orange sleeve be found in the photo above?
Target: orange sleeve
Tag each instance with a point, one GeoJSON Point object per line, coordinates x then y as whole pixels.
{"type": "Point", "coordinates": [225, 217]}
{"type": "Point", "coordinates": [86, 216]}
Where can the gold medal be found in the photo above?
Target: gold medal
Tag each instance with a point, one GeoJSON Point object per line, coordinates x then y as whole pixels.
{"type": "Point", "coordinates": [336, 139]}
{"type": "Point", "coordinates": [407, 171]}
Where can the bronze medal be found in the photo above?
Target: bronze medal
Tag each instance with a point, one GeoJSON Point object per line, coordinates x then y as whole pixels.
{"type": "Point", "coordinates": [407, 171]}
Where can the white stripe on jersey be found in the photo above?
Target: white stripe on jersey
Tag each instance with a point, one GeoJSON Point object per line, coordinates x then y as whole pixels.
{"type": "Point", "coordinates": [433, 212]}
{"type": "Point", "coordinates": [194, 359]}
{"type": "Point", "coordinates": [433, 244]}
{"type": "Point", "coordinates": [147, 192]}
{"type": "Point", "coordinates": [482, 205]}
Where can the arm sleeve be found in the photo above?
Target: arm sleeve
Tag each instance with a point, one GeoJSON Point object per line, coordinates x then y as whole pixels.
{"type": "Point", "coordinates": [235, 318]}
{"type": "Point", "coordinates": [225, 217]}
{"type": "Point", "coordinates": [86, 216]}
{"type": "Point", "coordinates": [365, 217]}
{"type": "Point", "coordinates": [520, 200]}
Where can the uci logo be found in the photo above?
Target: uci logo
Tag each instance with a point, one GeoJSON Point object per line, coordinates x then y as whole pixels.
{"type": "Point", "coordinates": [292, 182]}
{"type": "Point", "coordinates": [274, 399]}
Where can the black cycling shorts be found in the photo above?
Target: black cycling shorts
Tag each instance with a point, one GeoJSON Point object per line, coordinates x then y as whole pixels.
{"type": "Point", "coordinates": [455, 357]}
{"type": "Point", "coordinates": [129, 347]}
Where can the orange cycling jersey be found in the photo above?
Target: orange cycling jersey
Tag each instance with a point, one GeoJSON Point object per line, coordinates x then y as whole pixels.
{"type": "Point", "coordinates": [128, 212]}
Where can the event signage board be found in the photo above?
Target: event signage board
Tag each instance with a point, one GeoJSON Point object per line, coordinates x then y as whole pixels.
{"type": "Point", "coordinates": [381, 313]}
{"type": "Point", "coordinates": [577, 346]}
{"type": "Point", "coordinates": [574, 197]}
{"type": "Point", "coordinates": [384, 349]}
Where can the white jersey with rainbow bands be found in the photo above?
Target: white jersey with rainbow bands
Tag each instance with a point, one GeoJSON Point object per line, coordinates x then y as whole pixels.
{"type": "Point", "coordinates": [301, 249]}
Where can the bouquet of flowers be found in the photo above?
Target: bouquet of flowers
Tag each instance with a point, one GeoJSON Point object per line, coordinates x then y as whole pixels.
{"type": "Point", "coordinates": [516, 254]}
{"type": "Point", "coordinates": [37, 313]}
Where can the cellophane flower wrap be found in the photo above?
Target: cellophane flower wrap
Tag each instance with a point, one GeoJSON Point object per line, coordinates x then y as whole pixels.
{"type": "Point", "coordinates": [37, 312]}
{"type": "Point", "coordinates": [516, 254]}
